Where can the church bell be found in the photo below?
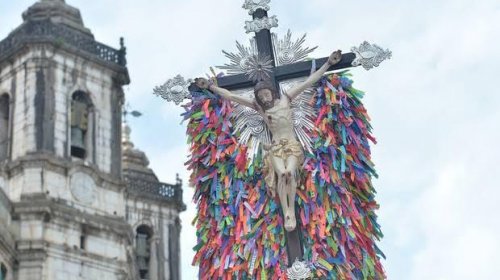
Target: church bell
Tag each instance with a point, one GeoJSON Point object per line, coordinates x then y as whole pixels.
{"type": "Point", "coordinates": [77, 144]}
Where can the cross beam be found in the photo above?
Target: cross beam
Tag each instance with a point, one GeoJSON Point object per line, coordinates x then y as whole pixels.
{"type": "Point", "coordinates": [285, 72]}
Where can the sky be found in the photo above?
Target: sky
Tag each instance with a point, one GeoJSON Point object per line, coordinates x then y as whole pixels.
{"type": "Point", "coordinates": [434, 108]}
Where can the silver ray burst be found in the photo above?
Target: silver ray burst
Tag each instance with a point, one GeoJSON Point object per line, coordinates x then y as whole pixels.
{"type": "Point", "coordinates": [287, 51]}
{"type": "Point", "coordinates": [239, 62]}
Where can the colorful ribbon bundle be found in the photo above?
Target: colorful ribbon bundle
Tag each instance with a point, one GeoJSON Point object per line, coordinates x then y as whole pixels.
{"type": "Point", "coordinates": [239, 225]}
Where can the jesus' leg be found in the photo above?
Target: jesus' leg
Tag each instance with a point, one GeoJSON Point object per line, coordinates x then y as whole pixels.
{"type": "Point", "coordinates": [282, 188]}
{"type": "Point", "coordinates": [291, 190]}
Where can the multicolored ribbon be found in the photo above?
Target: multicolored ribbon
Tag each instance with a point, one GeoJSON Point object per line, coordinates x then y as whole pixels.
{"type": "Point", "coordinates": [239, 225]}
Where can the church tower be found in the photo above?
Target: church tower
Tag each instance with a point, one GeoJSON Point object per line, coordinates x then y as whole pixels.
{"type": "Point", "coordinates": [153, 212]}
{"type": "Point", "coordinates": [68, 208]}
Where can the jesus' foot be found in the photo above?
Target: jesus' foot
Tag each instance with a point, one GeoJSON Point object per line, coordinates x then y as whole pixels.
{"type": "Point", "coordinates": [290, 222]}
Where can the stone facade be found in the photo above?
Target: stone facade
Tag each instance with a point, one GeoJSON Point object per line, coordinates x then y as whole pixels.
{"type": "Point", "coordinates": [67, 215]}
{"type": "Point", "coordinates": [149, 205]}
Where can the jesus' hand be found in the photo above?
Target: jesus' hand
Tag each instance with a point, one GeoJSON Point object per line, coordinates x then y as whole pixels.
{"type": "Point", "coordinates": [202, 83]}
{"type": "Point", "coordinates": [335, 57]}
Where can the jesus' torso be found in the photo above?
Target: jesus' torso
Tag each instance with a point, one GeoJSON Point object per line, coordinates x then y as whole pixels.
{"type": "Point", "coordinates": [279, 120]}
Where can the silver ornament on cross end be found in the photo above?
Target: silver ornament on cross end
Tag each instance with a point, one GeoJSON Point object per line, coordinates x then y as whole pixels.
{"type": "Point", "coordinates": [369, 55]}
{"type": "Point", "coordinates": [175, 89]}
{"type": "Point", "coordinates": [299, 271]}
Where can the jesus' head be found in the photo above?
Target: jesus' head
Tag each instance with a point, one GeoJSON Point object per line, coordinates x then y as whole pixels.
{"type": "Point", "coordinates": [265, 94]}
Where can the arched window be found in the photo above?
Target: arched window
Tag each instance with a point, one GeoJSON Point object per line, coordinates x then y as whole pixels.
{"type": "Point", "coordinates": [3, 272]}
{"type": "Point", "coordinates": [143, 250]}
{"type": "Point", "coordinates": [81, 124]}
{"type": "Point", "coordinates": [4, 126]}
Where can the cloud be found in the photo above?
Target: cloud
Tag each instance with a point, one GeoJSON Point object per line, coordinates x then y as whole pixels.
{"type": "Point", "coordinates": [459, 236]}
{"type": "Point", "coordinates": [438, 152]}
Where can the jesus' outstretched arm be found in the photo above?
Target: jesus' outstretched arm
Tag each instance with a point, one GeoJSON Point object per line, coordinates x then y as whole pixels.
{"type": "Point", "coordinates": [224, 93]}
{"type": "Point", "coordinates": [334, 58]}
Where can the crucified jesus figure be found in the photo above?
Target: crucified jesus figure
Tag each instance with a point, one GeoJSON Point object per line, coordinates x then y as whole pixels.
{"type": "Point", "coordinates": [285, 154]}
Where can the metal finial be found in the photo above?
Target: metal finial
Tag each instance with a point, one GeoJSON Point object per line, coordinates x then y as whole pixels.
{"type": "Point", "coordinates": [126, 112]}
{"type": "Point", "coordinates": [178, 179]}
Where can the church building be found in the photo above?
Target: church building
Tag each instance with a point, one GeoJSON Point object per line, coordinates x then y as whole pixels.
{"type": "Point", "coordinates": [77, 199]}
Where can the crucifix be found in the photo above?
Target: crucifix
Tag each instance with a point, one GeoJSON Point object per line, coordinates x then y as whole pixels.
{"type": "Point", "coordinates": [276, 62]}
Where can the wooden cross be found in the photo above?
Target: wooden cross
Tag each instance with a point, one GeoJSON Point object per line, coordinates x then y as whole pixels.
{"type": "Point", "coordinates": [366, 55]}
{"type": "Point", "coordinates": [281, 73]}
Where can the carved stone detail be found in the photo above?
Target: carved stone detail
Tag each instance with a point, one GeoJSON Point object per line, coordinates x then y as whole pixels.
{"type": "Point", "coordinates": [83, 187]}
{"type": "Point", "coordinates": [60, 35]}
{"type": "Point", "coordinates": [140, 184]}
